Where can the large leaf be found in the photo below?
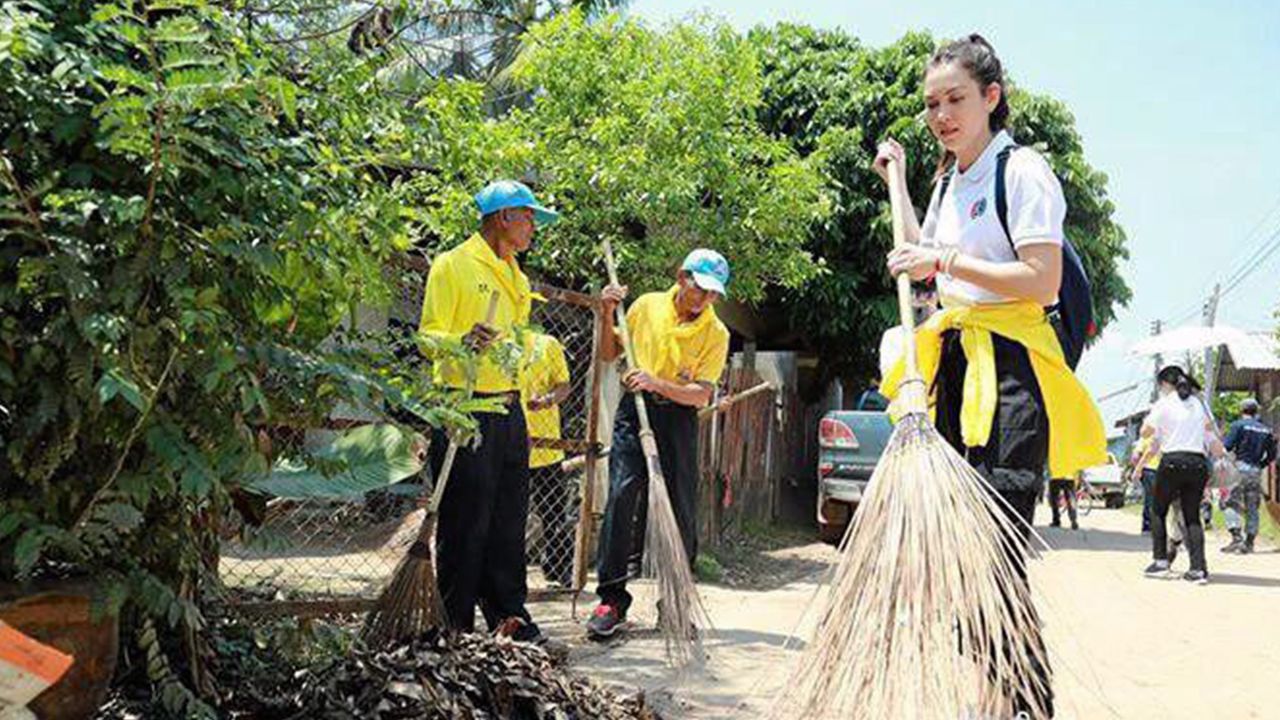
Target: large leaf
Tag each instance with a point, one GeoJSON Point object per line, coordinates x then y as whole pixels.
{"type": "Point", "coordinates": [359, 460]}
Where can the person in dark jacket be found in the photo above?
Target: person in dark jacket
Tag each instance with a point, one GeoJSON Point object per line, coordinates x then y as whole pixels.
{"type": "Point", "coordinates": [1254, 446]}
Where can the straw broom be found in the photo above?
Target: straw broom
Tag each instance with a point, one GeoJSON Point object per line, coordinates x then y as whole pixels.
{"type": "Point", "coordinates": [681, 613]}
{"type": "Point", "coordinates": [411, 604]}
{"type": "Point", "coordinates": [927, 615]}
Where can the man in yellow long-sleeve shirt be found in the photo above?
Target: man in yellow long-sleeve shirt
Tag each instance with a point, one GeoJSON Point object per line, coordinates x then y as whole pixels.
{"type": "Point", "coordinates": [480, 538]}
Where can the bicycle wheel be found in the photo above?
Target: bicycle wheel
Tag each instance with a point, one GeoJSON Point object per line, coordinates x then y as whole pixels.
{"type": "Point", "coordinates": [1084, 501]}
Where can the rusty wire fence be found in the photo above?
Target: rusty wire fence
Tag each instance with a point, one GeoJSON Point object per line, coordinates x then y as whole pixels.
{"type": "Point", "coordinates": [321, 555]}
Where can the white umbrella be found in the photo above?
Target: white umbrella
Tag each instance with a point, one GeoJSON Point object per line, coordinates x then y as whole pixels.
{"type": "Point", "coordinates": [1188, 338]}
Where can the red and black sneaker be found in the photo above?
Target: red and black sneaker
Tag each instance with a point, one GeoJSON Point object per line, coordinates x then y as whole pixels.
{"type": "Point", "coordinates": [605, 621]}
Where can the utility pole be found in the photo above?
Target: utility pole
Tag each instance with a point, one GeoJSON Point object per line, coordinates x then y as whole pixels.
{"type": "Point", "coordinates": [1156, 326]}
{"type": "Point", "coordinates": [1211, 352]}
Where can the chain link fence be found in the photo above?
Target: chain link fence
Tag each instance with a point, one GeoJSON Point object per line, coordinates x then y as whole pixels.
{"type": "Point", "coordinates": [309, 548]}
{"type": "Point", "coordinates": [318, 555]}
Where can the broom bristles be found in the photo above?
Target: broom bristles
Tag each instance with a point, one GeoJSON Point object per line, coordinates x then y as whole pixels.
{"type": "Point", "coordinates": [928, 615]}
{"type": "Point", "coordinates": [682, 615]}
{"type": "Point", "coordinates": [410, 605]}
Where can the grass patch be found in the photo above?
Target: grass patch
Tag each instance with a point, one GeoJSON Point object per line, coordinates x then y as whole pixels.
{"type": "Point", "coordinates": [706, 568]}
{"type": "Point", "coordinates": [1268, 531]}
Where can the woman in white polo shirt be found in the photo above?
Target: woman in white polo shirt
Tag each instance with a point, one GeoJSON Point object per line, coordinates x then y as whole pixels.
{"type": "Point", "coordinates": [1182, 432]}
{"type": "Point", "coordinates": [1004, 396]}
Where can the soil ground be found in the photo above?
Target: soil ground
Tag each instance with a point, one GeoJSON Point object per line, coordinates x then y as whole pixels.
{"type": "Point", "coordinates": [1122, 645]}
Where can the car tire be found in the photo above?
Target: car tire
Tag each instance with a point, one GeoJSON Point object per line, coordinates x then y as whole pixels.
{"type": "Point", "coordinates": [832, 533]}
{"type": "Point", "coordinates": [1115, 501]}
{"type": "Point", "coordinates": [841, 515]}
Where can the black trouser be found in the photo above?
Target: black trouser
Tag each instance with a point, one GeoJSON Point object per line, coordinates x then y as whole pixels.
{"type": "Point", "coordinates": [1181, 478]}
{"type": "Point", "coordinates": [1012, 461]}
{"type": "Point", "coordinates": [1148, 497]}
{"type": "Point", "coordinates": [675, 428]}
{"type": "Point", "coordinates": [480, 537]}
{"type": "Point", "coordinates": [550, 490]}
{"type": "Point", "coordinates": [1065, 489]}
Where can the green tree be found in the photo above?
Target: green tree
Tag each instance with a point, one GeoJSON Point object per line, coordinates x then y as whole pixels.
{"type": "Point", "coordinates": [645, 136]}
{"type": "Point", "coordinates": [650, 137]}
{"type": "Point", "coordinates": [186, 221]}
{"type": "Point", "coordinates": [835, 99]}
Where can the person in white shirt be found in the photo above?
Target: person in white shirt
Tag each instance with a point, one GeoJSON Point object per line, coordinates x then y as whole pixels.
{"type": "Point", "coordinates": [994, 281]}
{"type": "Point", "coordinates": [1182, 431]}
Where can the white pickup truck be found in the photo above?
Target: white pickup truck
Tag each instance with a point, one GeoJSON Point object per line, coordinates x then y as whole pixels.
{"type": "Point", "coordinates": [1107, 481]}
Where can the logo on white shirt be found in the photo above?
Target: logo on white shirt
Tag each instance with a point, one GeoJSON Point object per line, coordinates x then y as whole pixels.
{"type": "Point", "coordinates": [977, 208]}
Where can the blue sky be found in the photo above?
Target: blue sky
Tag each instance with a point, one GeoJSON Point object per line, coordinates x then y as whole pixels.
{"type": "Point", "coordinates": [1178, 102]}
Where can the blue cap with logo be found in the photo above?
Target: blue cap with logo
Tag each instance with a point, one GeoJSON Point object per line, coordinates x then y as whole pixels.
{"type": "Point", "coordinates": [503, 194]}
{"type": "Point", "coordinates": [709, 269]}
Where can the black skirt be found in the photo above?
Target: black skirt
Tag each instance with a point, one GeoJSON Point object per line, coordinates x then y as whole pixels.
{"type": "Point", "coordinates": [1014, 458]}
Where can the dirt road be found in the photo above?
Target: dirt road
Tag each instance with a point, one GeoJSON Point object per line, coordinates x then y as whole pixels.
{"type": "Point", "coordinates": [1116, 638]}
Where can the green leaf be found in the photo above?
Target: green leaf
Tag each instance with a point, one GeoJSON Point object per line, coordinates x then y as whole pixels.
{"type": "Point", "coordinates": [121, 516]}
{"type": "Point", "coordinates": [115, 382]}
{"type": "Point", "coordinates": [125, 76]}
{"type": "Point", "coordinates": [180, 29]}
{"type": "Point", "coordinates": [62, 69]}
{"type": "Point", "coordinates": [9, 523]}
{"type": "Point", "coordinates": [27, 550]}
{"type": "Point", "coordinates": [199, 78]}
{"type": "Point", "coordinates": [287, 94]}
{"type": "Point", "coordinates": [107, 13]}
{"type": "Point", "coordinates": [369, 457]}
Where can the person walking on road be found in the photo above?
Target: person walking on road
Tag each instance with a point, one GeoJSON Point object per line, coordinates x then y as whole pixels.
{"type": "Point", "coordinates": [1253, 445]}
{"type": "Point", "coordinates": [1181, 431]}
{"type": "Point", "coordinates": [1148, 478]}
{"type": "Point", "coordinates": [1064, 488]}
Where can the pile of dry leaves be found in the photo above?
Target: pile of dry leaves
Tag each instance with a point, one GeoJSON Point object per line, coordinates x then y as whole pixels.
{"type": "Point", "coordinates": [440, 676]}
{"type": "Point", "coordinates": [467, 676]}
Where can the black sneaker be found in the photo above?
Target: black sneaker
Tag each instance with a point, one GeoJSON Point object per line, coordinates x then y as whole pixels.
{"type": "Point", "coordinates": [605, 621]}
{"type": "Point", "coordinates": [1158, 568]}
{"type": "Point", "coordinates": [1075, 525]}
{"type": "Point", "coordinates": [1198, 577]}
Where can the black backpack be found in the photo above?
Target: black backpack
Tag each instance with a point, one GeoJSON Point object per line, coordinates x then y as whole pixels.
{"type": "Point", "coordinates": [1072, 317]}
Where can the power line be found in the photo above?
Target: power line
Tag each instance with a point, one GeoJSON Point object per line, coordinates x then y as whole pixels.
{"type": "Point", "coordinates": [1249, 262]}
{"type": "Point", "coordinates": [1244, 268]}
{"type": "Point", "coordinates": [1272, 247]}
{"type": "Point", "coordinates": [1254, 230]}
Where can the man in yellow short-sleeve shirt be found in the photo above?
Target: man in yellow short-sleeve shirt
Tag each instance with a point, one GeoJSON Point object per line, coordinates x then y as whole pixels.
{"type": "Point", "coordinates": [480, 545]}
{"type": "Point", "coordinates": [544, 385]}
{"type": "Point", "coordinates": [681, 348]}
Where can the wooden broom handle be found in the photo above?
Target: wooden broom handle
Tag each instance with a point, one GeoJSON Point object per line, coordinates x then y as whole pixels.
{"type": "Point", "coordinates": [437, 493]}
{"type": "Point", "coordinates": [734, 399]}
{"type": "Point", "coordinates": [611, 266]}
{"type": "Point", "coordinates": [897, 193]}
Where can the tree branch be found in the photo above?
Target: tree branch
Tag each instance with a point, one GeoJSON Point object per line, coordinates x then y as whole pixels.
{"type": "Point", "coordinates": [128, 444]}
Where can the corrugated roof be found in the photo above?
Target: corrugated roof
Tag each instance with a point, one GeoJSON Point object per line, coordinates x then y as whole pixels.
{"type": "Point", "coordinates": [1255, 351]}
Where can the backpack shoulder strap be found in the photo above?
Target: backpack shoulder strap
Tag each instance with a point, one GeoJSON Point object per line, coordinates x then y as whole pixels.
{"type": "Point", "coordinates": [1002, 193]}
{"type": "Point", "coordinates": [944, 183]}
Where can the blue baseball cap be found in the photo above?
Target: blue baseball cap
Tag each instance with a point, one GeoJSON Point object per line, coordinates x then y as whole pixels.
{"type": "Point", "coordinates": [709, 269]}
{"type": "Point", "coordinates": [503, 194]}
